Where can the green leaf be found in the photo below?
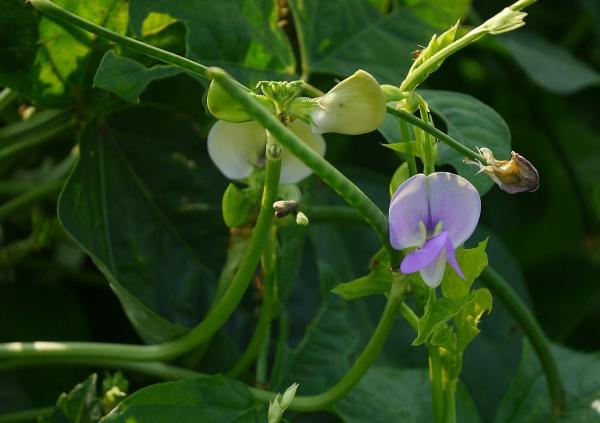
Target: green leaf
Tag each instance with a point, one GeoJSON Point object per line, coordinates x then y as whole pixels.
{"type": "Point", "coordinates": [439, 14]}
{"type": "Point", "coordinates": [400, 175]}
{"type": "Point", "coordinates": [549, 65]}
{"type": "Point", "coordinates": [467, 322]}
{"type": "Point", "coordinates": [238, 206]}
{"type": "Point", "coordinates": [527, 398]}
{"type": "Point", "coordinates": [143, 202]}
{"type": "Point", "coordinates": [388, 394]}
{"type": "Point", "coordinates": [240, 36]}
{"type": "Point", "coordinates": [472, 261]}
{"type": "Point", "coordinates": [472, 123]}
{"type": "Point", "coordinates": [127, 78]}
{"type": "Point", "coordinates": [341, 36]}
{"type": "Point", "coordinates": [80, 405]}
{"type": "Point", "coordinates": [437, 313]}
{"type": "Point", "coordinates": [378, 281]}
{"type": "Point", "coordinates": [203, 399]}
{"type": "Point", "coordinates": [46, 61]}
{"type": "Point", "coordinates": [408, 147]}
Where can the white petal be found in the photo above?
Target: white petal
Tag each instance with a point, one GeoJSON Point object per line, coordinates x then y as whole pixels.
{"type": "Point", "coordinates": [432, 275]}
{"type": "Point", "coordinates": [235, 148]}
{"type": "Point", "coordinates": [408, 213]}
{"type": "Point", "coordinates": [354, 106]}
{"type": "Point", "coordinates": [454, 202]}
{"type": "Point", "coordinates": [292, 169]}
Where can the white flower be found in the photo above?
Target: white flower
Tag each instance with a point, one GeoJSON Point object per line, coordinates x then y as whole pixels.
{"type": "Point", "coordinates": [236, 148]}
{"type": "Point", "coordinates": [354, 106]}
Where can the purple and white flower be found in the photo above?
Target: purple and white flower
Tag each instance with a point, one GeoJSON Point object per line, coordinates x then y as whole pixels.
{"type": "Point", "coordinates": [434, 214]}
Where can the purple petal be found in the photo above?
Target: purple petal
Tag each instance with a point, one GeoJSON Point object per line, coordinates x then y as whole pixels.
{"type": "Point", "coordinates": [434, 273]}
{"type": "Point", "coordinates": [454, 202]}
{"type": "Point", "coordinates": [451, 257]}
{"type": "Point", "coordinates": [425, 256]}
{"type": "Point", "coordinates": [407, 210]}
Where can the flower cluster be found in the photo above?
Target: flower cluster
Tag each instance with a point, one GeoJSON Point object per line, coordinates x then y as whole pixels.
{"type": "Point", "coordinates": [236, 144]}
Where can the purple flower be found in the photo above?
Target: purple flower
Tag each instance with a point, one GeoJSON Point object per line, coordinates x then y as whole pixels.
{"type": "Point", "coordinates": [436, 214]}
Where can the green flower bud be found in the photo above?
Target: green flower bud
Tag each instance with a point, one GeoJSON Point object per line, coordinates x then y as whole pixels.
{"type": "Point", "coordinates": [288, 395]}
{"type": "Point", "coordinates": [505, 21]}
{"type": "Point", "coordinates": [301, 219]}
{"type": "Point", "coordinates": [222, 106]}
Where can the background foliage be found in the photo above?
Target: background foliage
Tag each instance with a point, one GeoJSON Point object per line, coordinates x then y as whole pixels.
{"type": "Point", "coordinates": [135, 251]}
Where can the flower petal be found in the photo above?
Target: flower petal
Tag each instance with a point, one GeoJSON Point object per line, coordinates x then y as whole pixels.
{"type": "Point", "coordinates": [451, 258]}
{"type": "Point", "coordinates": [292, 168]}
{"type": "Point", "coordinates": [408, 209]}
{"type": "Point", "coordinates": [454, 202]}
{"type": "Point", "coordinates": [235, 148]}
{"type": "Point", "coordinates": [425, 256]}
{"type": "Point", "coordinates": [434, 273]}
{"type": "Point", "coordinates": [354, 106]}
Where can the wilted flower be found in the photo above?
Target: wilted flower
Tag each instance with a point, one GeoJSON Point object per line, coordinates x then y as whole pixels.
{"type": "Point", "coordinates": [354, 106]}
{"type": "Point", "coordinates": [514, 175]}
{"type": "Point", "coordinates": [236, 148]}
{"type": "Point", "coordinates": [436, 214]}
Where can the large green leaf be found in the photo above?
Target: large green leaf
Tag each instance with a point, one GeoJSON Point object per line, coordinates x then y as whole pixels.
{"type": "Point", "coordinates": [549, 65]}
{"type": "Point", "coordinates": [144, 202]}
{"type": "Point", "coordinates": [527, 399]}
{"type": "Point", "coordinates": [341, 36]}
{"type": "Point", "coordinates": [472, 123]}
{"type": "Point", "coordinates": [204, 399]}
{"type": "Point", "coordinates": [388, 394]}
{"type": "Point", "coordinates": [46, 61]}
{"type": "Point", "coordinates": [241, 36]}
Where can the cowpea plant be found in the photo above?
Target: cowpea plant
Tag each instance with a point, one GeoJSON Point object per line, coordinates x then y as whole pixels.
{"type": "Point", "coordinates": [189, 233]}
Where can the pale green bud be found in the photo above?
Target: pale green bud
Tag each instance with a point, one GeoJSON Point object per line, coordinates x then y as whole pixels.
{"type": "Point", "coordinates": [301, 219]}
{"type": "Point", "coordinates": [275, 412]}
{"type": "Point", "coordinates": [289, 394]}
{"type": "Point", "coordinates": [222, 106]}
{"type": "Point", "coordinates": [505, 21]}
{"type": "Point", "coordinates": [354, 106]}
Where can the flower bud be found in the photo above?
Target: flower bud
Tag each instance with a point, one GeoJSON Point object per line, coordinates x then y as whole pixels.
{"type": "Point", "coordinates": [222, 106]}
{"type": "Point", "coordinates": [284, 207]}
{"type": "Point", "coordinates": [505, 21]}
{"type": "Point", "coordinates": [301, 219]}
{"type": "Point", "coordinates": [354, 106]}
{"type": "Point", "coordinates": [288, 396]}
{"type": "Point", "coordinates": [514, 175]}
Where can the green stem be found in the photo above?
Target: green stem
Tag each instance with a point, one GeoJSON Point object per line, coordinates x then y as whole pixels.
{"type": "Point", "coordinates": [26, 416]}
{"type": "Point", "coordinates": [361, 365]}
{"type": "Point", "coordinates": [431, 64]}
{"type": "Point", "coordinates": [428, 142]}
{"type": "Point", "coordinates": [39, 122]}
{"type": "Point", "coordinates": [499, 287]}
{"type": "Point", "coordinates": [262, 329]}
{"type": "Point", "coordinates": [30, 197]}
{"type": "Point", "coordinates": [450, 413]}
{"type": "Point", "coordinates": [263, 358]}
{"type": "Point", "coordinates": [437, 383]}
{"type": "Point", "coordinates": [409, 315]}
{"type": "Point", "coordinates": [7, 96]}
{"type": "Point", "coordinates": [216, 317]}
{"type": "Point", "coordinates": [337, 214]}
{"type": "Point", "coordinates": [53, 11]}
{"type": "Point", "coordinates": [409, 158]}
{"type": "Point", "coordinates": [35, 139]}
{"type": "Point", "coordinates": [321, 167]}
{"type": "Point", "coordinates": [446, 139]}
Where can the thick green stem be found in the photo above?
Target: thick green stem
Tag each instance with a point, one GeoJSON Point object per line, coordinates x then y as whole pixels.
{"type": "Point", "coordinates": [446, 139]}
{"type": "Point", "coordinates": [437, 383]}
{"type": "Point", "coordinates": [322, 168]}
{"type": "Point", "coordinates": [450, 413]}
{"type": "Point", "coordinates": [409, 158]}
{"type": "Point", "coordinates": [262, 329]}
{"type": "Point", "coordinates": [337, 214]}
{"type": "Point", "coordinates": [428, 141]}
{"type": "Point", "coordinates": [216, 317]}
{"type": "Point", "coordinates": [499, 287]}
{"type": "Point", "coordinates": [30, 197]}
